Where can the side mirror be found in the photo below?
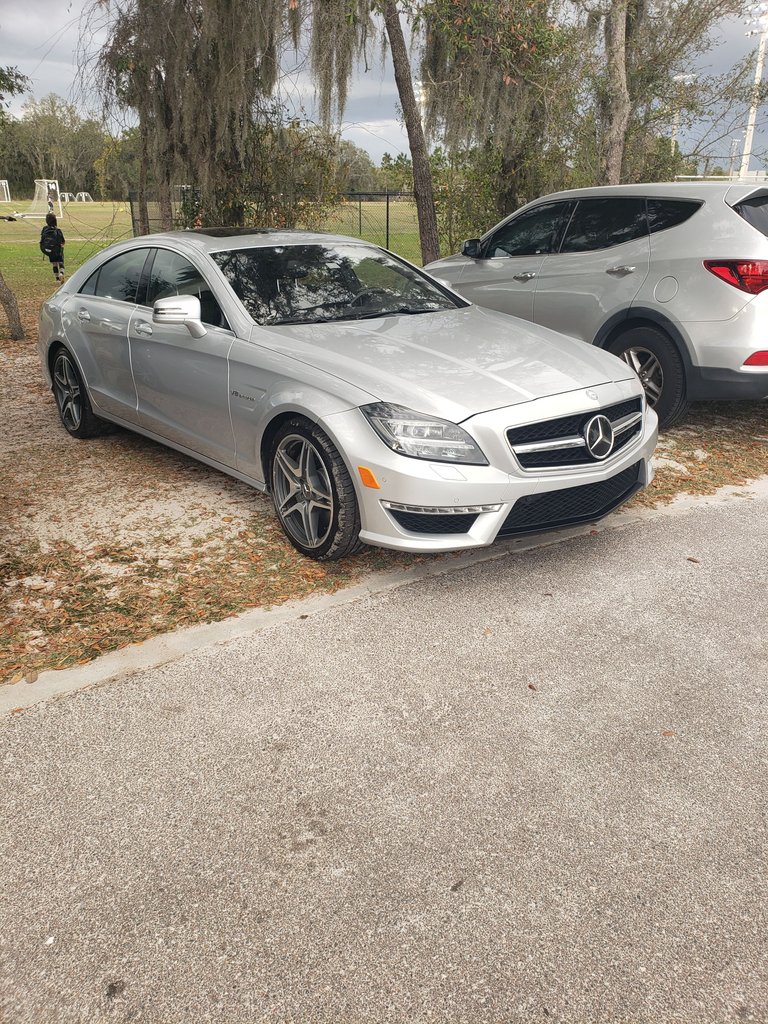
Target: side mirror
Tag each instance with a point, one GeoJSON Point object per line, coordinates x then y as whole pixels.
{"type": "Point", "coordinates": [180, 309]}
{"type": "Point", "coordinates": [473, 248]}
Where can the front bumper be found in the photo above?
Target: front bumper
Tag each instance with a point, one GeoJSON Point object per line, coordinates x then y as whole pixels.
{"type": "Point", "coordinates": [417, 483]}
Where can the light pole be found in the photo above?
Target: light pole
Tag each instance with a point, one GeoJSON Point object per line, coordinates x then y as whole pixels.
{"type": "Point", "coordinates": [760, 27]}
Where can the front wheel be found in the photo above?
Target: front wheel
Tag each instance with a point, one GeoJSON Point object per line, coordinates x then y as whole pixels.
{"type": "Point", "coordinates": [653, 356]}
{"type": "Point", "coordinates": [313, 492]}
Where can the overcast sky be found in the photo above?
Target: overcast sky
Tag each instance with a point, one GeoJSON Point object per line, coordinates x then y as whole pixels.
{"type": "Point", "coordinates": [40, 37]}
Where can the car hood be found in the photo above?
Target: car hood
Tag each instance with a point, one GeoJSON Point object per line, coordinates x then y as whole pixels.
{"type": "Point", "coordinates": [452, 364]}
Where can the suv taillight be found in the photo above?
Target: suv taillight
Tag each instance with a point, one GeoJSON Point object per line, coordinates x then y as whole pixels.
{"type": "Point", "coordinates": [746, 275]}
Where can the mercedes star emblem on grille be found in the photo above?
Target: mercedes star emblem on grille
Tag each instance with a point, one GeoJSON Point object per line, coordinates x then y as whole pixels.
{"type": "Point", "coordinates": [598, 435]}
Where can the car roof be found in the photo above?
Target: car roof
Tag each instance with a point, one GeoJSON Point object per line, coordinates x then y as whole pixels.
{"type": "Point", "coordinates": [730, 191]}
{"type": "Point", "coordinates": [224, 239]}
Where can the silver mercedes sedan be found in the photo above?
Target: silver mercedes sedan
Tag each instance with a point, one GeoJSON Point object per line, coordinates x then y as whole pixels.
{"type": "Point", "coordinates": [375, 404]}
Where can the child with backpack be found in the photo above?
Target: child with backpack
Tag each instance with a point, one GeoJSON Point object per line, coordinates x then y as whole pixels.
{"type": "Point", "coordinates": [52, 245]}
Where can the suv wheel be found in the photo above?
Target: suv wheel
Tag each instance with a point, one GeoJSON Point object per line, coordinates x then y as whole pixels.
{"type": "Point", "coordinates": [313, 493]}
{"type": "Point", "coordinates": [653, 356]}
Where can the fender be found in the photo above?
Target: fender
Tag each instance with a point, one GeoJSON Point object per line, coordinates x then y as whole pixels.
{"type": "Point", "coordinates": [637, 315]}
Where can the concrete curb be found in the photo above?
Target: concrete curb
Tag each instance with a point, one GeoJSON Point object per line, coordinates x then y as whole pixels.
{"type": "Point", "coordinates": [171, 646]}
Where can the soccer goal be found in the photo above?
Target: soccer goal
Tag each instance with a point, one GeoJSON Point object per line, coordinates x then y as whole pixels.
{"type": "Point", "coordinates": [83, 197]}
{"type": "Point", "coordinates": [67, 197]}
{"type": "Point", "coordinates": [47, 199]}
{"type": "Point", "coordinates": [5, 192]}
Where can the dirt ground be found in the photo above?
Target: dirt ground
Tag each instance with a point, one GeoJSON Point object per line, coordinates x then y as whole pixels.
{"type": "Point", "coordinates": [109, 541]}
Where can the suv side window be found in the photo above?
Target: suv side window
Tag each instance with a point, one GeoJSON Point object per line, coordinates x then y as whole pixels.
{"type": "Point", "coordinates": [533, 233]}
{"type": "Point", "coordinates": [668, 213]}
{"type": "Point", "coordinates": [172, 274]}
{"type": "Point", "coordinates": [604, 222]}
{"type": "Point", "coordinates": [118, 278]}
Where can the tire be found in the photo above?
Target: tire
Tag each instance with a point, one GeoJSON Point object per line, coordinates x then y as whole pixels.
{"type": "Point", "coordinates": [305, 465]}
{"type": "Point", "coordinates": [71, 396]}
{"type": "Point", "coordinates": [653, 356]}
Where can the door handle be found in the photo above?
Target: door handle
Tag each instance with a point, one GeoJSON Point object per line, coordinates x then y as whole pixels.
{"type": "Point", "coordinates": [621, 271]}
{"type": "Point", "coordinates": [143, 328]}
{"type": "Point", "coordinates": [83, 315]}
{"type": "Point", "coordinates": [525, 276]}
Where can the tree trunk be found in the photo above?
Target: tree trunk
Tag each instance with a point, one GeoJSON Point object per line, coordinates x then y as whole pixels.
{"type": "Point", "coordinates": [143, 163]}
{"type": "Point", "coordinates": [616, 108]}
{"type": "Point", "coordinates": [8, 302]}
{"type": "Point", "coordinates": [422, 173]}
{"type": "Point", "coordinates": [165, 200]}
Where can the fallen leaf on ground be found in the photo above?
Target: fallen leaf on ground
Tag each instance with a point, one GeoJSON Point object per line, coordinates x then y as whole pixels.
{"type": "Point", "coordinates": [31, 676]}
{"type": "Point", "coordinates": [532, 687]}
{"type": "Point", "coordinates": [667, 732]}
{"type": "Point", "coordinates": [692, 559]}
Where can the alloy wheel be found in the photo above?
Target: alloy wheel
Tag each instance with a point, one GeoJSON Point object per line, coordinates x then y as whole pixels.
{"type": "Point", "coordinates": [66, 387]}
{"type": "Point", "coordinates": [302, 491]}
{"type": "Point", "coordinates": [648, 369]}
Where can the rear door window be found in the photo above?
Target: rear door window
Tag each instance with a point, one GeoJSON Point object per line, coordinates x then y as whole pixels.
{"type": "Point", "coordinates": [668, 213]}
{"type": "Point", "coordinates": [118, 278]}
{"type": "Point", "coordinates": [602, 223]}
{"type": "Point", "coordinates": [533, 233]}
{"type": "Point", "coordinates": [755, 212]}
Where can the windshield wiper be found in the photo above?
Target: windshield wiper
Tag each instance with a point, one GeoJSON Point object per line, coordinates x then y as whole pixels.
{"type": "Point", "coordinates": [407, 310]}
{"type": "Point", "coordinates": [370, 315]}
{"type": "Point", "coordinates": [302, 320]}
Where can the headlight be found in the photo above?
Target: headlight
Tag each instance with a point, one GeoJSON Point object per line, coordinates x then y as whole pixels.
{"type": "Point", "coordinates": [422, 437]}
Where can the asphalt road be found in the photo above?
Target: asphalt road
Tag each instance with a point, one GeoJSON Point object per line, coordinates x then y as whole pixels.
{"type": "Point", "coordinates": [533, 790]}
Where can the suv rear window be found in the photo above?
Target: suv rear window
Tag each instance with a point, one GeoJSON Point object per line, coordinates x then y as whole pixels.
{"type": "Point", "coordinates": [668, 213]}
{"type": "Point", "coordinates": [755, 212]}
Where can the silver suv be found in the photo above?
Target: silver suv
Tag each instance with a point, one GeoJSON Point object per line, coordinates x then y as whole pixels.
{"type": "Point", "coordinates": [671, 277]}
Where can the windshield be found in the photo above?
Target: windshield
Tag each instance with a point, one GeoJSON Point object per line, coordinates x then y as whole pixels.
{"type": "Point", "coordinates": [309, 284]}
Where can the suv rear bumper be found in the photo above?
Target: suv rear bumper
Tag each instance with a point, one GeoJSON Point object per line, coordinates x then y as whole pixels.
{"type": "Point", "coordinates": [716, 382]}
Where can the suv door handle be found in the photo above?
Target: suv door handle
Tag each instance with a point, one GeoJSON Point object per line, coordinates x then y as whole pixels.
{"type": "Point", "coordinates": [83, 315]}
{"type": "Point", "coordinates": [621, 271]}
{"type": "Point", "coordinates": [526, 275]}
{"type": "Point", "coordinates": [143, 328]}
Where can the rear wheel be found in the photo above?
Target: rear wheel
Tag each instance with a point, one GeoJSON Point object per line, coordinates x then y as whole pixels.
{"type": "Point", "coordinates": [313, 492]}
{"type": "Point", "coordinates": [72, 400]}
{"type": "Point", "coordinates": [652, 355]}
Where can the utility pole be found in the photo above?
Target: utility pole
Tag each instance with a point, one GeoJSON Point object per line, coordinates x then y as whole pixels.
{"type": "Point", "coordinates": [761, 20]}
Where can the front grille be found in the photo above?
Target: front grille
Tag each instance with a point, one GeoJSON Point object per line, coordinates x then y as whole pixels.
{"type": "Point", "coordinates": [418, 522]}
{"type": "Point", "coordinates": [570, 505]}
{"type": "Point", "coordinates": [570, 429]}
